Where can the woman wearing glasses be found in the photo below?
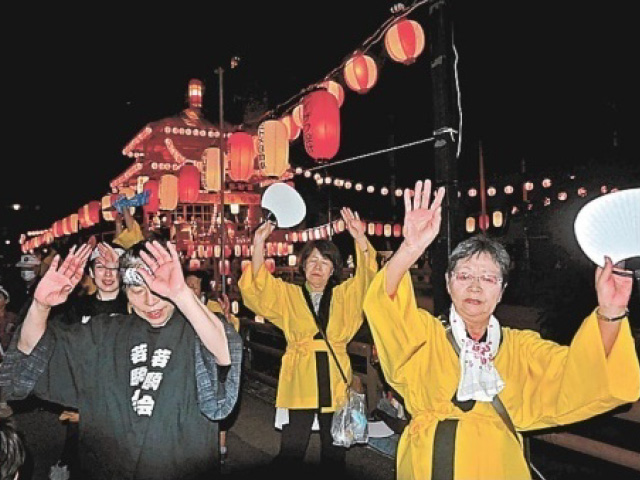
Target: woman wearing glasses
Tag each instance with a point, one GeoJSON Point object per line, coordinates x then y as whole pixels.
{"type": "Point", "coordinates": [470, 384]}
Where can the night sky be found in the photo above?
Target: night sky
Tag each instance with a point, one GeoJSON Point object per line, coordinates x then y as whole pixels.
{"type": "Point", "coordinates": [548, 83]}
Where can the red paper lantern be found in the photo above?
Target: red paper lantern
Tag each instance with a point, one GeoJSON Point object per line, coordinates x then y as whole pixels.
{"type": "Point", "coordinates": [397, 230]}
{"type": "Point", "coordinates": [93, 211]}
{"type": "Point", "coordinates": [360, 73]}
{"type": "Point", "coordinates": [56, 228]}
{"type": "Point", "coordinates": [227, 267]}
{"type": "Point", "coordinates": [379, 229]}
{"type": "Point", "coordinates": [66, 226]}
{"type": "Point", "coordinates": [321, 125]}
{"type": "Point", "coordinates": [404, 41]}
{"type": "Point", "coordinates": [153, 205]}
{"type": "Point", "coordinates": [245, 264]}
{"type": "Point", "coordinates": [83, 217]}
{"type": "Point", "coordinates": [188, 184]}
{"type": "Point", "coordinates": [241, 156]}
{"type": "Point", "coordinates": [270, 264]}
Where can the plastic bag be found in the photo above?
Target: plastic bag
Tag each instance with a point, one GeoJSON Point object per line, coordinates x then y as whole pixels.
{"type": "Point", "coordinates": [349, 424]}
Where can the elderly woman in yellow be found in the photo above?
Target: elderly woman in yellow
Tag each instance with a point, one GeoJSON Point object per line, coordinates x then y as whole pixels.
{"type": "Point", "coordinates": [456, 377]}
{"type": "Point", "coordinates": [310, 382]}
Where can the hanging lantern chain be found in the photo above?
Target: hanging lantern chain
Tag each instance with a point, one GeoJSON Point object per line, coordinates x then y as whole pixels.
{"type": "Point", "coordinates": [286, 106]}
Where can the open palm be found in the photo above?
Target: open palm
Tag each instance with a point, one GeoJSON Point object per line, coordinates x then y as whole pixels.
{"type": "Point", "coordinates": [165, 275]}
{"type": "Point", "coordinates": [61, 279]}
{"type": "Point", "coordinates": [422, 219]}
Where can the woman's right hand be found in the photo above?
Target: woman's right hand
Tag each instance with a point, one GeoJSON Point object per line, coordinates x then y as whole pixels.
{"type": "Point", "coordinates": [263, 232]}
{"type": "Point", "coordinates": [421, 220]}
{"type": "Point", "coordinates": [61, 279]}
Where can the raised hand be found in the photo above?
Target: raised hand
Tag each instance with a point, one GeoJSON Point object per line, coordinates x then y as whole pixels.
{"type": "Point", "coordinates": [108, 254]}
{"type": "Point", "coordinates": [225, 304]}
{"type": "Point", "coordinates": [421, 218]}
{"type": "Point", "coordinates": [352, 222]}
{"type": "Point", "coordinates": [263, 232]}
{"type": "Point", "coordinates": [614, 291]}
{"type": "Point", "coordinates": [61, 278]}
{"type": "Point", "coordinates": [164, 276]}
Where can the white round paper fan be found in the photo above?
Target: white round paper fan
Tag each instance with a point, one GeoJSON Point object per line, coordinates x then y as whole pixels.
{"type": "Point", "coordinates": [285, 203]}
{"type": "Point", "coordinates": [610, 225]}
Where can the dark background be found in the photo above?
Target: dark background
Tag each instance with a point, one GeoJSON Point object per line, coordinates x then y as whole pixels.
{"type": "Point", "coordinates": [551, 84]}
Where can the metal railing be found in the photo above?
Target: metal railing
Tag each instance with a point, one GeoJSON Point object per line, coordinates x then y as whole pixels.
{"type": "Point", "coordinates": [360, 354]}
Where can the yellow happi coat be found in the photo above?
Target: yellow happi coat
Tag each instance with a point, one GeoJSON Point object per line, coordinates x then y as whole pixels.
{"type": "Point", "coordinates": [284, 305]}
{"type": "Point", "coordinates": [546, 384]}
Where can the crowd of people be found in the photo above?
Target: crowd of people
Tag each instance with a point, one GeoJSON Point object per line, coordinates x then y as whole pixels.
{"type": "Point", "coordinates": [146, 363]}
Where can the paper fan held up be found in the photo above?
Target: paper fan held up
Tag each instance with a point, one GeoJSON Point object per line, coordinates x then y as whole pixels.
{"type": "Point", "coordinates": [285, 205]}
{"type": "Point", "coordinates": [610, 225]}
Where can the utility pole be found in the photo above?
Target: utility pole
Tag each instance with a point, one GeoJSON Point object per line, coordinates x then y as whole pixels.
{"type": "Point", "coordinates": [446, 162]}
{"type": "Point", "coordinates": [223, 227]}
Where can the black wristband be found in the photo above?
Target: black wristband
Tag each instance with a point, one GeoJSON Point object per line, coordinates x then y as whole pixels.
{"type": "Point", "coordinates": [612, 319]}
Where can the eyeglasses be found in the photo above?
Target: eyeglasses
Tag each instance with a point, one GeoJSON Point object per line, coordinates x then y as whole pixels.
{"type": "Point", "coordinates": [486, 279]}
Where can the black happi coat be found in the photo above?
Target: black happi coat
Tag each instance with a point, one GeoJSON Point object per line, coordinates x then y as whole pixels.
{"type": "Point", "coordinates": [100, 368]}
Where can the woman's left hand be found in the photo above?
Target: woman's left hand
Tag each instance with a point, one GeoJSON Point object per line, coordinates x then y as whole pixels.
{"type": "Point", "coordinates": [352, 222]}
{"type": "Point", "coordinates": [166, 278]}
{"type": "Point", "coordinates": [614, 291]}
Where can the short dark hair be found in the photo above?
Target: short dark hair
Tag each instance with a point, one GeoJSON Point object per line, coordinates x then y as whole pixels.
{"type": "Point", "coordinates": [12, 452]}
{"type": "Point", "coordinates": [329, 251]}
{"type": "Point", "coordinates": [481, 244]}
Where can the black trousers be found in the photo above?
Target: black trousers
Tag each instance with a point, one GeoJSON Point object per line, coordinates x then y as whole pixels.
{"type": "Point", "coordinates": [297, 433]}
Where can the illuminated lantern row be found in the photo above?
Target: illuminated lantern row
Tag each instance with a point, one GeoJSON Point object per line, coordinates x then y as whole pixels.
{"type": "Point", "coordinates": [321, 130]}
{"type": "Point", "coordinates": [168, 192]}
{"type": "Point", "coordinates": [360, 73]}
{"type": "Point", "coordinates": [273, 148]}
{"type": "Point", "coordinates": [241, 156]}
{"type": "Point", "coordinates": [153, 204]}
{"type": "Point", "coordinates": [338, 226]}
{"type": "Point", "coordinates": [212, 173]}
{"type": "Point", "coordinates": [484, 222]}
{"type": "Point", "coordinates": [56, 229]}
{"type": "Point", "coordinates": [70, 224]}
{"type": "Point", "coordinates": [188, 184]}
{"type": "Point", "coordinates": [404, 41]}
{"type": "Point", "coordinates": [88, 215]}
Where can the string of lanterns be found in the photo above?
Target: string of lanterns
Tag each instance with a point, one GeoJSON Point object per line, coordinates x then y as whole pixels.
{"type": "Point", "coordinates": [317, 116]}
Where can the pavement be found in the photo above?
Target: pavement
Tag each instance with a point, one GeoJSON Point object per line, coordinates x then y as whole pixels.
{"type": "Point", "coordinates": [252, 441]}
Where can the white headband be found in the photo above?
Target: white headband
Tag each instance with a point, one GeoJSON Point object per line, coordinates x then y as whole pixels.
{"type": "Point", "coordinates": [131, 277]}
{"type": "Point", "coordinates": [5, 293]}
